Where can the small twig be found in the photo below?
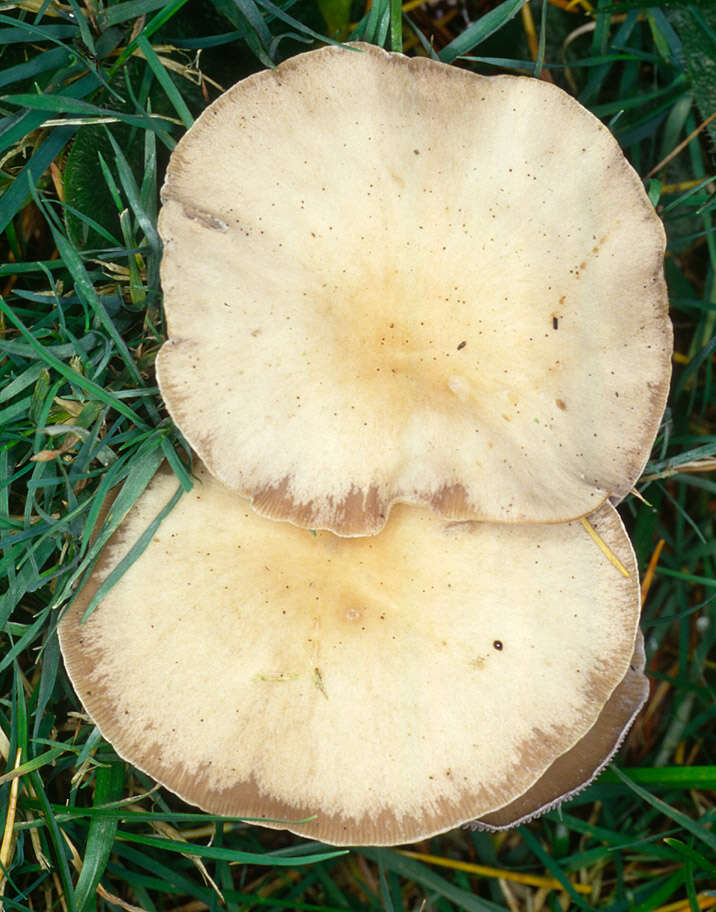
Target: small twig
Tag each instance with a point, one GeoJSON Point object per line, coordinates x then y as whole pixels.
{"type": "Point", "coordinates": [682, 145]}
{"type": "Point", "coordinates": [698, 465]}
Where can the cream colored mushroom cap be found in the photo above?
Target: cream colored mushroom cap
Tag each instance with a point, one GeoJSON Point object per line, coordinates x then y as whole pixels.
{"type": "Point", "coordinates": [375, 690]}
{"type": "Point", "coordinates": [387, 279]}
{"type": "Point", "coordinates": [576, 768]}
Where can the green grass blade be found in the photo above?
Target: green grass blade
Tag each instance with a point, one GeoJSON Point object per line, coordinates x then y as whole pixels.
{"type": "Point", "coordinates": [35, 67]}
{"type": "Point", "coordinates": [554, 868]}
{"type": "Point", "coordinates": [164, 79]}
{"type": "Point", "coordinates": [295, 23]}
{"type": "Point", "coordinates": [85, 288]}
{"type": "Point", "coordinates": [19, 191]}
{"type": "Point", "coordinates": [118, 13]}
{"type": "Point", "coordinates": [132, 555]}
{"type": "Point", "coordinates": [36, 763]}
{"type": "Point", "coordinates": [58, 843]}
{"type": "Point", "coordinates": [231, 855]}
{"type": "Point", "coordinates": [396, 26]}
{"type": "Point", "coordinates": [697, 829]}
{"type": "Point", "coordinates": [48, 676]}
{"type": "Point", "coordinates": [692, 855]}
{"type": "Point", "coordinates": [421, 874]}
{"type": "Point", "coordinates": [109, 785]}
{"type": "Point", "coordinates": [478, 31]}
{"type": "Point", "coordinates": [72, 376]}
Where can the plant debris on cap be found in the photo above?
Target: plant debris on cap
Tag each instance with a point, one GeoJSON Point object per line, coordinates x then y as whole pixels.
{"type": "Point", "coordinates": [388, 279]}
{"type": "Point", "coordinates": [575, 769]}
{"type": "Point", "coordinates": [370, 690]}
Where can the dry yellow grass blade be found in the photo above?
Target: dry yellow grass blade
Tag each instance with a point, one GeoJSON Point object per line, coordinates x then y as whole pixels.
{"type": "Point", "coordinates": [170, 832]}
{"type": "Point", "coordinates": [528, 24]}
{"type": "Point", "coordinates": [602, 545]}
{"type": "Point", "coordinates": [34, 6]}
{"type": "Point", "coordinates": [683, 905]}
{"type": "Point", "coordinates": [531, 880]}
{"type": "Point", "coordinates": [411, 5]}
{"type": "Point", "coordinates": [682, 186]}
{"type": "Point", "coordinates": [117, 901]}
{"type": "Point", "coordinates": [7, 846]}
{"type": "Point", "coordinates": [573, 6]}
{"type": "Point", "coordinates": [650, 570]}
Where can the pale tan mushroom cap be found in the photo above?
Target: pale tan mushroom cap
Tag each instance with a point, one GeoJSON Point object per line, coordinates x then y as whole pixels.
{"type": "Point", "coordinates": [575, 769]}
{"type": "Point", "coordinates": [393, 686]}
{"type": "Point", "coordinates": [393, 280]}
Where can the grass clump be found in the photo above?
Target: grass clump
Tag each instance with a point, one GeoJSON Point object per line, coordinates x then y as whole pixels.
{"type": "Point", "coordinates": [96, 96]}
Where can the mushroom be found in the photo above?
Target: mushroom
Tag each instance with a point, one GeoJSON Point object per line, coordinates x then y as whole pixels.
{"type": "Point", "coordinates": [369, 690]}
{"type": "Point", "coordinates": [415, 284]}
{"type": "Point", "coordinates": [576, 768]}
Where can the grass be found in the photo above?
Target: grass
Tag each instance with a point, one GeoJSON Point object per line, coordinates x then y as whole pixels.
{"type": "Point", "coordinates": [95, 99]}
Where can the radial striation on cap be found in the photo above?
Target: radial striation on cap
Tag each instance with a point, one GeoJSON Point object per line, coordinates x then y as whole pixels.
{"type": "Point", "coordinates": [371, 690]}
{"type": "Point", "coordinates": [387, 279]}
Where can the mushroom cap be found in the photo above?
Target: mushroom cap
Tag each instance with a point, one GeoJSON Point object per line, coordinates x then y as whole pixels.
{"type": "Point", "coordinates": [576, 768]}
{"type": "Point", "coordinates": [375, 690]}
{"type": "Point", "coordinates": [391, 280]}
